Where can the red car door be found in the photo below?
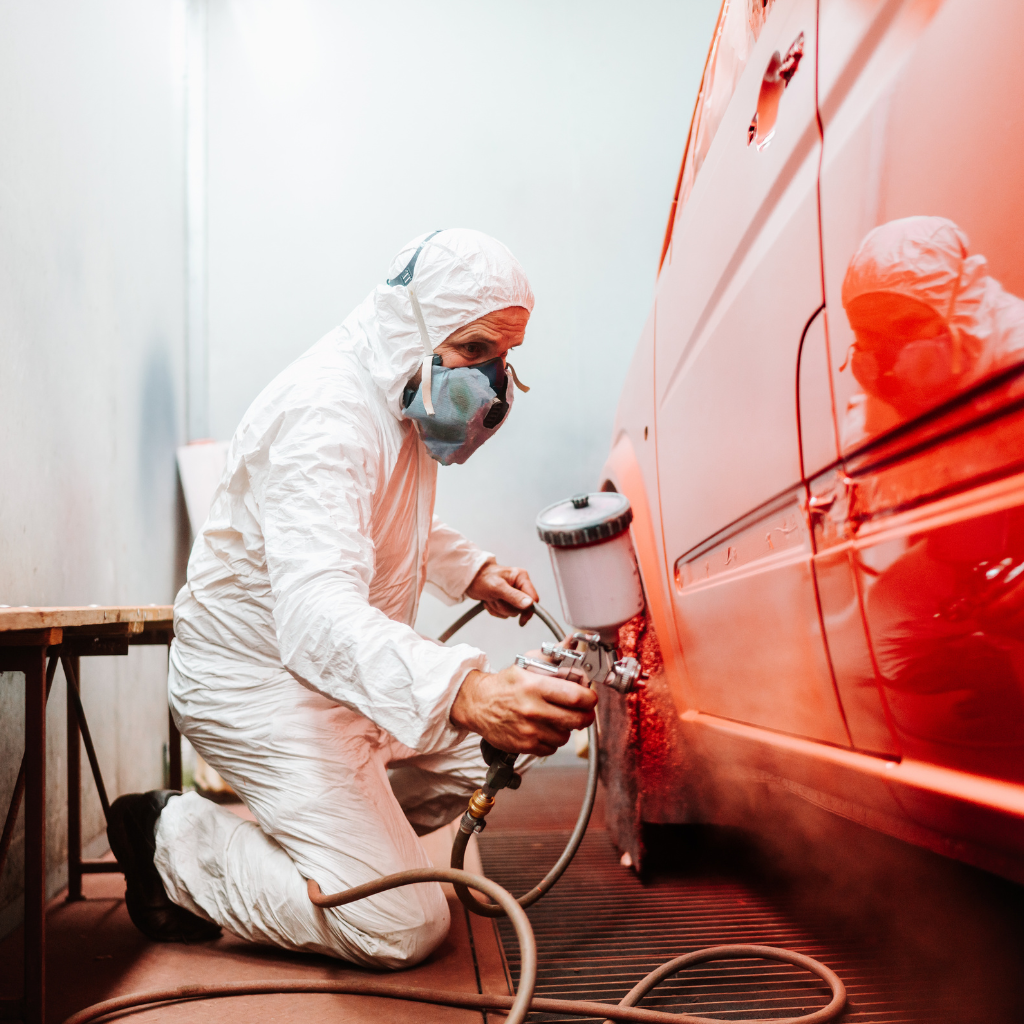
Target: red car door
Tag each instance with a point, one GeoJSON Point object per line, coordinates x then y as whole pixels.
{"type": "Point", "coordinates": [921, 529]}
{"type": "Point", "coordinates": [741, 281]}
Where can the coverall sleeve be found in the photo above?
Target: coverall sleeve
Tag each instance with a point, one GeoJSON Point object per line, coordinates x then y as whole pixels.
{"type": "Point", "coordinates": [452, 562]}
{"type": "Point", "coordinates": [313, 481]}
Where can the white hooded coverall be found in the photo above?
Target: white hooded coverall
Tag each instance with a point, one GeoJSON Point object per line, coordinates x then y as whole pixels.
{"type": "Point", "coordinates": [928, 259]}
{"type": "Point", "coordinates": [295, 671]}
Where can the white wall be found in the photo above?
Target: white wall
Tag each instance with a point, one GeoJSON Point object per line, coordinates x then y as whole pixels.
{"type": "Point", "coordinates": [337, 131]}
{"type": "Point", "coordinates": [91, 401]}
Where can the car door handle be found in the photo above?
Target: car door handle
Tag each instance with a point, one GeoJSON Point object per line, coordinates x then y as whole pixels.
{"type": "Point", "coordinates": [777, 76]}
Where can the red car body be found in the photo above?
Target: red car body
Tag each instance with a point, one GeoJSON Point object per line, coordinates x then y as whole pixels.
{"type": "Point", "coordinates": [822, 431]}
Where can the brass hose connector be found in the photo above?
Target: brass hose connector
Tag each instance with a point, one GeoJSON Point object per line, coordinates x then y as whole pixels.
{"type": "Point", "coordinates": [479, 804]}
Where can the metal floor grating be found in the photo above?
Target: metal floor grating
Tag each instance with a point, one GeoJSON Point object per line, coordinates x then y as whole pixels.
{"type": "Point", "coordinates": [600, 930]}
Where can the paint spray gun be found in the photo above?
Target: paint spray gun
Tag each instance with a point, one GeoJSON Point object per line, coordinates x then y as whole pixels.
{"type": "Point", "coordinates": [599, 586]}
{"type": "Point", "coordinates": [589, 660]}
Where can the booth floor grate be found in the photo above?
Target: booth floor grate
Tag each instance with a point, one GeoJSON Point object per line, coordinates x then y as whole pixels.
{"type": "Point", "coordinates": [601, 929]}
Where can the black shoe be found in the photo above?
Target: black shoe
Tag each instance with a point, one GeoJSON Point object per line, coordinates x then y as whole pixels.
{"type": "Point", "coordinates": [131, 829]}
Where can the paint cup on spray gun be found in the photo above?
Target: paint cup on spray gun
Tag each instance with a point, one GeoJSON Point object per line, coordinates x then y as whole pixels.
{"type": "Point", "coordinates": [598, 584]}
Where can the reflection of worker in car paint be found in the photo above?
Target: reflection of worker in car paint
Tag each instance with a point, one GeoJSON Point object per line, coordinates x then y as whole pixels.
{"type": "Point", "coordinates": [946, 617]}
{"type": "Point", "coordinates": [947, 629]}
{"type": "Point", "coordinates": [928, 319]}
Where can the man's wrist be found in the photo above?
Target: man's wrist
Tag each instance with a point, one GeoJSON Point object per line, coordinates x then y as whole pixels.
{"type": "Point", "coordinates": [461, 711]}
{"type": "Point", "coordinates": [488, 561]}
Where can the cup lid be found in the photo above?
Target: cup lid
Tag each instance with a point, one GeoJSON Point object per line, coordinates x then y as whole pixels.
{"type": "Point", "coordinates": [584, 519]}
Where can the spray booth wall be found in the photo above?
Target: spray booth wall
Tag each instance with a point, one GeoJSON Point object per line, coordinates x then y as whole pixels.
{"type": "Point", "coordinates": [339, 131]}
{"type": "Point", "coordinates": [91, 403]}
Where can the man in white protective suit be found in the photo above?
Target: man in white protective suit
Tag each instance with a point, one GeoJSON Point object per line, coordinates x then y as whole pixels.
{"type": "Point", "coordinates": [295, 671]}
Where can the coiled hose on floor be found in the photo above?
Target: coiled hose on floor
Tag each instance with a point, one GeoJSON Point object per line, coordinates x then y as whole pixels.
{"type": "Point", "coordinates": [524, 1001]}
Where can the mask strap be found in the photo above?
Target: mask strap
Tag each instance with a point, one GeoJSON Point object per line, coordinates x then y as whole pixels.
{"type": "Point", "coordinates": [428, 353]}
{"type": "Point", "coordinates": [405, 278]}
{"type": "Point", "coordinates": [519, 384]}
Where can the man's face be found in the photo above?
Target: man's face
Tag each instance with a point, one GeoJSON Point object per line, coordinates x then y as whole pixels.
{"type": "Point", "coordinates": [490, 337]}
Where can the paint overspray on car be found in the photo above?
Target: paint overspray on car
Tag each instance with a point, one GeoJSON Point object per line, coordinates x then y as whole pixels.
{"type": "Point", "coordinates": [643, 752]}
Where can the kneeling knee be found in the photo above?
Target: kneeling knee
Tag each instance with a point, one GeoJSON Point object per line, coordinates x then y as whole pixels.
{"type": "Point", "coordinates": [413, 945]}
{"type": "Point", "coordinates": [398, 944]}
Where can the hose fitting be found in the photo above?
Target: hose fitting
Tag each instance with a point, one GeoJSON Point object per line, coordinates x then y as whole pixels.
{"type": "Point", "coordinates": [479, 804]}
{"type": "Point", "coordinates": [473, 818]}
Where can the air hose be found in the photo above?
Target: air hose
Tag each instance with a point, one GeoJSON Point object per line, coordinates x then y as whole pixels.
{"type": "Point", "coordinates": [524, 1001]}
{"type": "Point", "coordinates": [472, 821]}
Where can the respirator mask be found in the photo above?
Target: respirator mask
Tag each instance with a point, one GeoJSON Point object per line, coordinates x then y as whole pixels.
{"type": "Point", "coordinates": [913, 375]}
{"type": "Point", "coordinates": [468, 405]}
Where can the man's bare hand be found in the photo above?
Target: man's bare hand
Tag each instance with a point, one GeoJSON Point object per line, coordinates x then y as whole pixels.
{"type": "Point", "coordinates": [522, 712]}
{"type": "Point", "coordinates": [505, 591]}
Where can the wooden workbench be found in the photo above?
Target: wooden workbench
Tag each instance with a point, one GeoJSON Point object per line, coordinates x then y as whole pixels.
{"type": "Point", "coordinates": [33, 641]}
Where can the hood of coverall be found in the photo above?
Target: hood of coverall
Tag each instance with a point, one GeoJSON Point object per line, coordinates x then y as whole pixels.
{"type": "Point", "coordinates": [926, 259]}
{"type": "Point", "coordinates": [460, 276]}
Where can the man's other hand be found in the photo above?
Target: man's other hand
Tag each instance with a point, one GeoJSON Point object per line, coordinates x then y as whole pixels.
{"type": "Point", "coordinates": [522, 712]}
{"type": "Point", "coordinates": [505, 591]}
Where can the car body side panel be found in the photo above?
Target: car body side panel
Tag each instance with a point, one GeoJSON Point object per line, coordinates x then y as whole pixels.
{"type": "Point", "coordinates": [819, 445]}
{"type": "Point", "coordinates": [749, 625]}
{"type": "Point", "coordinates": [977, 820]}
{"type": "Point", "coordinates": [751, 514]}
{"type": "Point", "coordinates": [743, 273]}
{"type": "Point", "coordinates": [854, 669]}
{"type": "Point", "coordinates": [922, 221]}
{"type": "Point", "coordinates": [835, 578]}
{"type": "Point", "coordinates": [632, 469]}
{"type": "Point", "coordinates": [741, 284]}
{"type": "Point", "coordinates": [867, 51]}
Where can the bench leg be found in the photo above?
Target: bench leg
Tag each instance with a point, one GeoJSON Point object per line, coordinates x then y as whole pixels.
{"type": "Point", "coordinates": [70, 666]}
{"type": "Point", "coordinates": [19, 786]}
{"type": "Point", "coordinates": [74, 796]}
{"type": "Point", "coordinates": [35, 837]}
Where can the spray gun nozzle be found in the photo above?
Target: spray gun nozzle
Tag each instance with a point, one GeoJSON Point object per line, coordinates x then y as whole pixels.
{"type": "Point", "coordinates": [589, 660]}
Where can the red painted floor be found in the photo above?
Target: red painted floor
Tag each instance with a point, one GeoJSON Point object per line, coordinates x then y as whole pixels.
{"type": "Point", "coordinates": [94, 953]}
